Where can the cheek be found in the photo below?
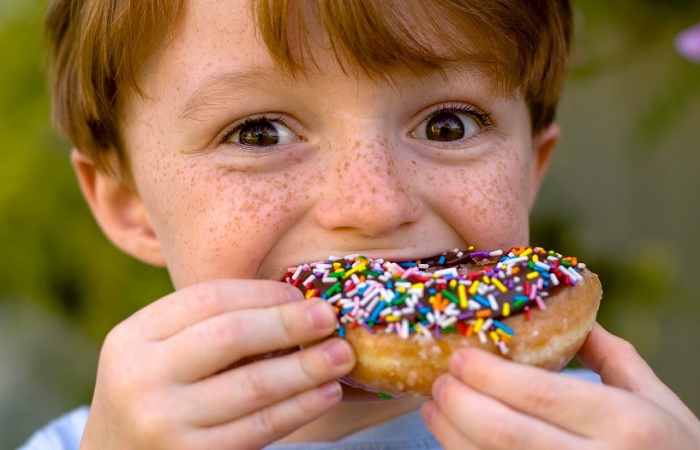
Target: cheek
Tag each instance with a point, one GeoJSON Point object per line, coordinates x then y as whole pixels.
{"type": "Point", "coordinates": [488, 200]}
{"type": "Point", "coordinates": [255, 210]}
{"type": "Point", "coordinates": [216, 223]}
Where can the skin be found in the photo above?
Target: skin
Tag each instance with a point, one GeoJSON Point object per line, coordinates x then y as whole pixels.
{"type": "Point", "coordinates": [356, 174]}
{"type": "Point", "coordinates": [522, 407]}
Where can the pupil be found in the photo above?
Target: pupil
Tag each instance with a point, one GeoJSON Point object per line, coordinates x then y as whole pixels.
{"type": "Point", "coordinates": [261, 133]}
{"type": "Point", "coordinates": [445, 126]}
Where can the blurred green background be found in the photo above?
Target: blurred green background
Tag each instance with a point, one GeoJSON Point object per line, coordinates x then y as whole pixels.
{"type": "Point", "coordinates": [623, 194]}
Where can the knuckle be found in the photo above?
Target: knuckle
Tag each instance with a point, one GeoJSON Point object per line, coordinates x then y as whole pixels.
{"type": "Point", "coordinates": [122, 383]}
{"type": "Point", "coordinates": [119, 372]}
{"type": "Point", "coordinates": [308, 405]}
{"type": "Point", "coordinates": [207, 294]}
{"type": "Point", "coordinates": [255, 386]}
{"type": "Point", "coordinates": [291, 324]}
{"type": "Point", "coordinates": [267, 423]}
{"type": "Point", "coordinates": [625, 347]}
{"type": "Point", "coordinates": [502, 433]}
{"type": "Point", "coordinates": [153, 421]}
{"type": "Point", "coordinates": [229, 328]}
{"type": "Point", "coordinates": [543, 397]}
{"type": "Point", "coordinates": [119, 341]}
{"type": "Point", "coordinates": [640, 428]}
{"type": "Point", "coordinates": [309, 365]}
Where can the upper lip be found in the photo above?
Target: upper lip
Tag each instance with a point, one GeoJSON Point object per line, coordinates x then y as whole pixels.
{"type": "Point", "coordinates": [373, 254]}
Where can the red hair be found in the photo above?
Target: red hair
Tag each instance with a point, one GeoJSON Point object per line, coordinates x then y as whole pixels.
{"type": "Point", "coordinates": [97, 48]}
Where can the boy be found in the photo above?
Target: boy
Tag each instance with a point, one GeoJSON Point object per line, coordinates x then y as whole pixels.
{"type": "Point", "coordinates": [229, 140]}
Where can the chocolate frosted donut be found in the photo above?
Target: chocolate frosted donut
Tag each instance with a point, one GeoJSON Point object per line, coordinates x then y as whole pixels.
{"type": "Point", "coordinates": [405, 318]}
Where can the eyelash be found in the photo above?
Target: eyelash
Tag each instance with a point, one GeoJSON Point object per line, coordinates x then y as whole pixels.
{"type": "Point", "coordinates": [249, 121]}
{"type": "Point", "coordinates": [484, 118]}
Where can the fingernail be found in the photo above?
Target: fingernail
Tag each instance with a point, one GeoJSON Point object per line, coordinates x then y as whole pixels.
{"type": "Point", "coordinates": [294, 295]}
{"type": "Point", "coordinates": [339, 352]}
{"type": "Point", "coordinates": [438, 386]}
{"type": "Point", "coordinates": [321, 316]}
{"type": "Point", "coordinates": [457, 361]}
{"type": "Point", "coordinates": [428, 411]}
{"type": "Point", "coordinates": [331, 390]}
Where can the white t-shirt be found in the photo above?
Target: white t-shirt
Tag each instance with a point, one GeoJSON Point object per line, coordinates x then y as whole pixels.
{"type": "Point", "coordinates": [406, 432]}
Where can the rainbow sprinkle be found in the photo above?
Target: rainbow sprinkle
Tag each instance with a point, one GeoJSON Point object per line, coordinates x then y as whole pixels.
{"type": "Point", "coordinates": [466, 292]}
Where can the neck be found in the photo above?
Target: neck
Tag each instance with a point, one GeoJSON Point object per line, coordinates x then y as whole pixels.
{"type": "Point", "coordinates": [357, 411]}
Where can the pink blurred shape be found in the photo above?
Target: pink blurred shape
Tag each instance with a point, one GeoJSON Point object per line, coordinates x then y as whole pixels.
{"type": "Point", "coordinates": [688, 43]}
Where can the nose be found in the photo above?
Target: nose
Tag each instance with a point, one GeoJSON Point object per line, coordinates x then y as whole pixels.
{"type": "Point", "coordinates": [371, 193]}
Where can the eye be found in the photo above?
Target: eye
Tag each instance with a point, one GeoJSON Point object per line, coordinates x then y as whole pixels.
{"type": "Point", "coordinates": [261, 132]}
{"type": "Point", "coordinates": [449, 124]}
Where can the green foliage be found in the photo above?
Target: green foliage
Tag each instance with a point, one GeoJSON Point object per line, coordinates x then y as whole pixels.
{"type": "Point", "coordinates": [604, 44]}
{"type": "Point", "coordinates": [52, 251]}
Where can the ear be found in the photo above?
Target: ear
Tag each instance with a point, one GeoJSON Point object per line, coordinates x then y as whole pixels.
{"type": "Point", "coordinates": [543, 146]}
{"type": "Point", "coordinates": [118, 209]}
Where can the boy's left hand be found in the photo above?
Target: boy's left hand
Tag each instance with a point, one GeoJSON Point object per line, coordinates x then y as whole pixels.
{"type": "Point", "coordinates": [489, 402]}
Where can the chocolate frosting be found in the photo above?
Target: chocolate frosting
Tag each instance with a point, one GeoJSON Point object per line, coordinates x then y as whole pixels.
{"type": "Point", "coordinates": [470, 292]}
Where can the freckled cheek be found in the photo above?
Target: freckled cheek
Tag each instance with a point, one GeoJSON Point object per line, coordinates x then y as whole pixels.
{"type": "Point", "coordinates": [486, 202]}
{"type": "Point", "coordinates": [504, 198]}
{"type": "Point", "coordinates": [222, 225]}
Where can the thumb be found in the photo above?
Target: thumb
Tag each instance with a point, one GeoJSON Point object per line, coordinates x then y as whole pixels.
{"type": "Point", "coordinates": [615, 360]}
{"type": "Point", "coordinates": [618, 364]}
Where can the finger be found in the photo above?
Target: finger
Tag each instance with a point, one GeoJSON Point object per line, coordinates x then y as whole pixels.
{"type": "Point", "coordinates": [615, 360]}
{"type": "Point", "coordinates": [491, 424]}
{"type": "Point", "coordinates": [239, 392]}
{"type": "Point", "coordinates": [544, 395]}
{"type": "Point", "coordinates": [618, 364]}
{"type": "Point", "coordinates": [183, 308]}
{"type": "Point", "coordinates": [445, 432]}
{"type": "Point", "coordinates": [219, 342]}
{"type": "Point", "coordinates": [273, 423]}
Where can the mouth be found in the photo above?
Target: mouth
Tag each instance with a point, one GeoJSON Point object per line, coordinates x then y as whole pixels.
{"type": "Point", "coordinates": [436, 260]}
{"type": "Point", "coordinates": [393, 255]}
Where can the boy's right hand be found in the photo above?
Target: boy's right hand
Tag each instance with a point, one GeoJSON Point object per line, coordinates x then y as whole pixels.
{"type": "Point", "coordinates": [174, 375]}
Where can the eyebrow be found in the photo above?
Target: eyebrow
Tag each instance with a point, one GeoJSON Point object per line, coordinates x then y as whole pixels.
{"type": "Point", "coordinates": [221, 89]}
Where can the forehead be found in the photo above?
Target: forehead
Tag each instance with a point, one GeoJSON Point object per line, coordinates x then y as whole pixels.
{"type": "Point", "coordinates": [307, 35]}
{"type": "Point", "coordinates": [211, 37]}
{"type": "Point", "coordinates": [218, 57]}
{"type": "Point", "coordinates": [223, 28]}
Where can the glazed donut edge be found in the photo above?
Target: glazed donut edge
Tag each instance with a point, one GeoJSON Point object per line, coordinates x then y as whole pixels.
{"type": "Point", "coordinates": [547, 338]}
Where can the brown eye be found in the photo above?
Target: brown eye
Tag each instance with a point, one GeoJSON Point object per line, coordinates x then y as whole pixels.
{"type": "Point", "coordinates": [447, 126]}
{"type": "Point", "coordinates": [444, 126]}
{"type": "Point", "coordinates": [261, 132]}
{"type": "Point", "coordinates": [258, 133]}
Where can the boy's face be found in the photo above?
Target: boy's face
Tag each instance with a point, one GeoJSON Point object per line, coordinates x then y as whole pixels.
{"type": "Point", "coordinates": [346, 165]}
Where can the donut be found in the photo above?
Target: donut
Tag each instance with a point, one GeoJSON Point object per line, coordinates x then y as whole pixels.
{"type": "Point", "coordinates": [405, 318]}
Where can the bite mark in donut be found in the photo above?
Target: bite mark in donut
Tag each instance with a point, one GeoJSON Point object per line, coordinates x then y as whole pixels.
{"type": "Point", "coordinates": [405, 318]}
